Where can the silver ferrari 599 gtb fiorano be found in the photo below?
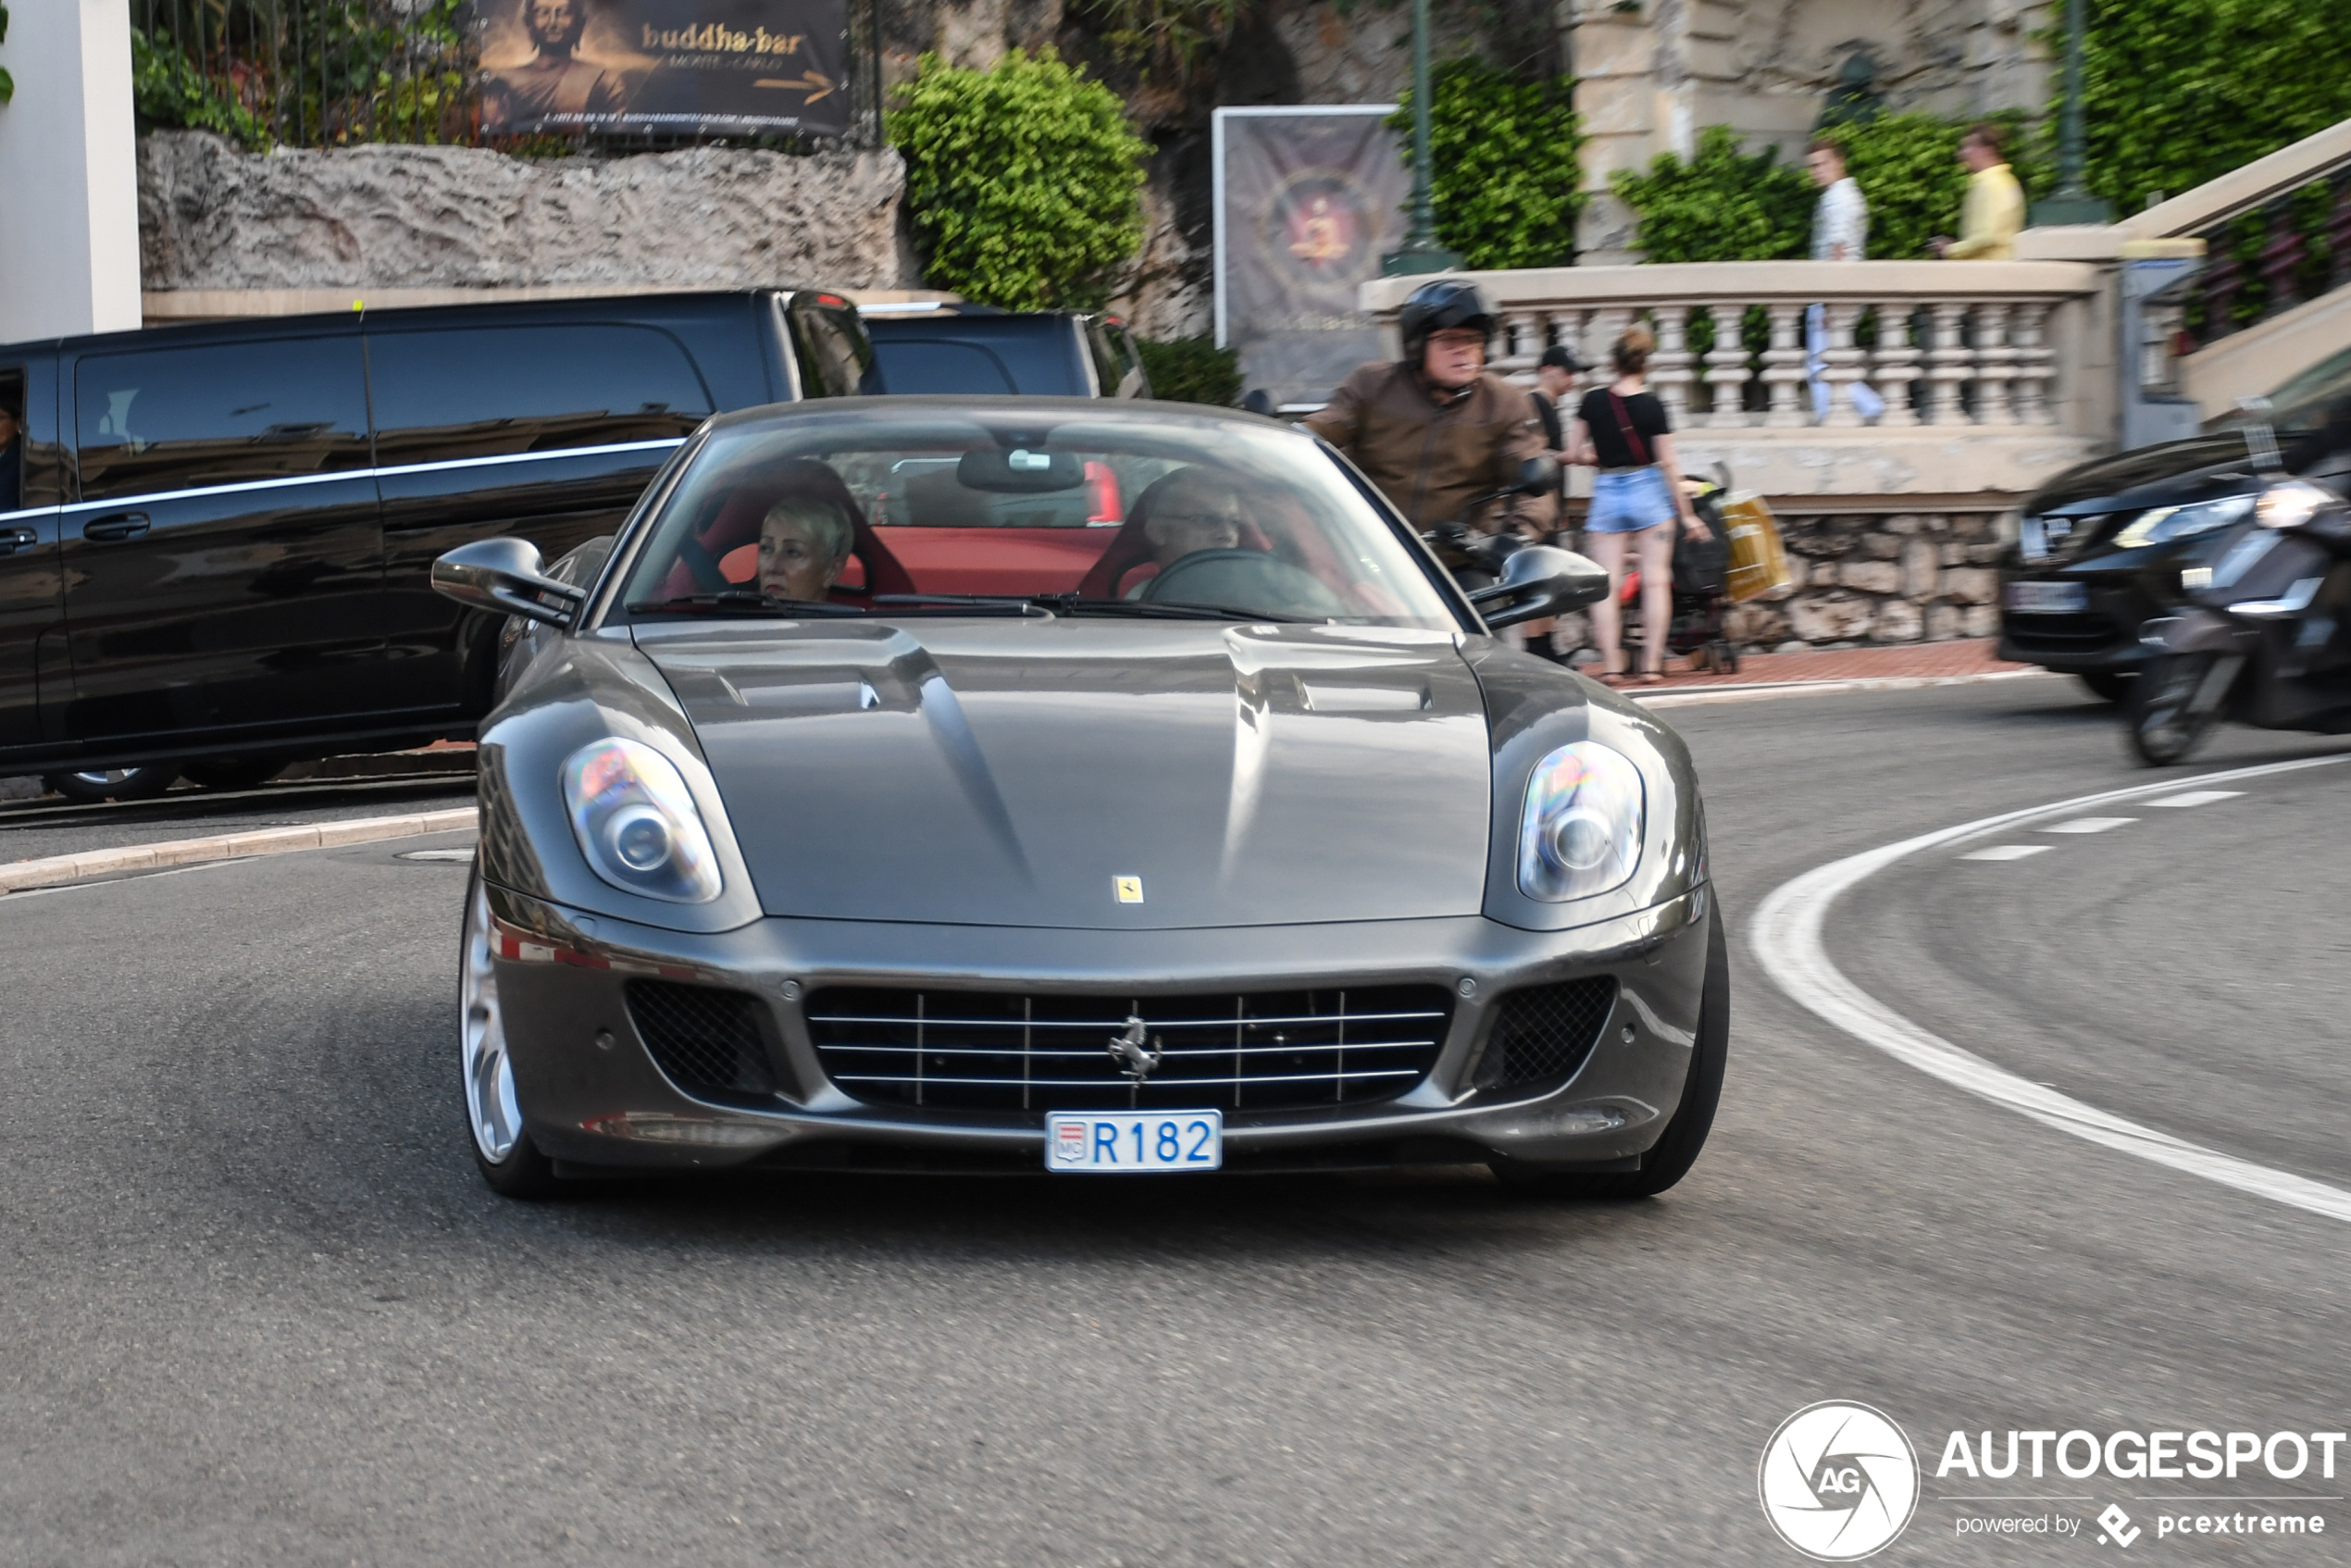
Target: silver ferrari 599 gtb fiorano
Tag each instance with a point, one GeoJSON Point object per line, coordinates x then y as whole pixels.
{"type": "Point", "coordinates": [1089, 788]}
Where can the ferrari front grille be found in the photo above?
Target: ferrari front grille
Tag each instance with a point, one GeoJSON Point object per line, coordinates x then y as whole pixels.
{"type": "Point", "coordinates": [1543, 1033]}
{"type": "Point", "coordinates": [1259, 1050]}
{"type": "Point", "coordinates": [708, 1041]}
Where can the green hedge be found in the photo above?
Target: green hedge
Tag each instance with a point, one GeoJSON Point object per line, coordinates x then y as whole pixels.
{"type": "Point", "coordinates": [1024, 182]}
{"type": "Point", "coordinates": [1503, 160]}
{"type": "Point", "coordinates": [1192, 370]}
{"type": "Point", "coordinates": [1720, 206]}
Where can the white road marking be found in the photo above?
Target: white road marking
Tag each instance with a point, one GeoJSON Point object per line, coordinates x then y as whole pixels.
{"type": "Point", "coordinates": [2090, 825]}
{"type": "Point", "coordinates": [1787, 937]}
{"type": "Point", "coordinates": [2007, 851]}
{"type": "Point", "coordinates": [2197, 798]}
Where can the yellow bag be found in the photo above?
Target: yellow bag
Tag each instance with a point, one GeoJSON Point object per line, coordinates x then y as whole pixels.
{"type": "Point", "coordinates": [1759, 561]}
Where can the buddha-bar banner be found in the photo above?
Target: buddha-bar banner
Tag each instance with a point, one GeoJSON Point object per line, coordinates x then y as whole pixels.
{"type": "Point", "coordinates": [664, 67]}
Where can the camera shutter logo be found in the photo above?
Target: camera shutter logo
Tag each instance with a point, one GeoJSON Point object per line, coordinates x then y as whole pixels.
{"type": "Point", "coordinates": [1838, 1481]}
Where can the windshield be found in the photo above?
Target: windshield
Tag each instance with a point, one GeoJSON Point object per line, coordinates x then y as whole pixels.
{"type": "Point", "coordinates": [924, 509]}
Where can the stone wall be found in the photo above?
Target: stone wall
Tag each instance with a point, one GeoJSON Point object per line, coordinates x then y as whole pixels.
{"type": "Point", "coordinates": [1871, 578]}
{"type": "Point", "coordinates": [212, 216]}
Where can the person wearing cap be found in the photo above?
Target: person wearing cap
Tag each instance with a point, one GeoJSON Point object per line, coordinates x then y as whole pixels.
{"type": "Point", "coordinates": [1437, 430]}
{"type": "Point", "coordinates": [1554, 378]}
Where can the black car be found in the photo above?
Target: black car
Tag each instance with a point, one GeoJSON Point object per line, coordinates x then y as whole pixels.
{"type": "Point", "coordinates": [2101, 548]}
{"type": "Point", "coordinates": [216, 543]}
{"type": "Point", "coordinates": [930, 349]}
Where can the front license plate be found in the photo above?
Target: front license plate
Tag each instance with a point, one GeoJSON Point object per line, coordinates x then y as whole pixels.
{"type": "Point", "coordinates": [2049, 598]}
{"type": "Point", "coordinates": [1098, 1142]}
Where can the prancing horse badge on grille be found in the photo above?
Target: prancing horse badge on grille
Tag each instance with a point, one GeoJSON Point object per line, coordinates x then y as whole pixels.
{"type": "Point", "coordinates": [1129, 889]}
{"type": "Point", "coordinates": [1132, 1051]}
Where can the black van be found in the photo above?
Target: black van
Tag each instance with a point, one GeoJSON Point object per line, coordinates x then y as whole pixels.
{"type": "Point", "coordinates": [214, 539]}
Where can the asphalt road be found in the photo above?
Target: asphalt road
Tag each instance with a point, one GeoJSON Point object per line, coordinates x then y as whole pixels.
{"type": "Point", "coordinates": [255, 1306]}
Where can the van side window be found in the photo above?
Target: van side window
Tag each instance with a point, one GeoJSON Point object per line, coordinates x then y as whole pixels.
{"type": "Point", "coordinates": [217, 413]}
{"type": "Point", "coordinates": [12, 440]}
{"type": "Point", "coordinates": [490, 392]}
{"type": "Point", "coordinates": [836, 357]}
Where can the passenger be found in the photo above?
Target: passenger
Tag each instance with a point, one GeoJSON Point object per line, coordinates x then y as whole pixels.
{"type": "Point", "coordinates": [804, 543]}
{"type": "Point", "coordinates": [1189, 511]}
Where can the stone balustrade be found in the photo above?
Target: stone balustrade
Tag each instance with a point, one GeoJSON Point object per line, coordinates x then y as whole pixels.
{"type": "Point", "coordinates": [1943, 344]}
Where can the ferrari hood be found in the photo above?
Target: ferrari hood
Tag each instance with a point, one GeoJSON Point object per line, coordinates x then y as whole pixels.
{"type": "Point", "coordinates": [1085, 773]}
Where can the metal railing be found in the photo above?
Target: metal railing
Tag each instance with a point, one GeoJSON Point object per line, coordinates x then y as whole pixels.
{"type": "Point", "coordinates": [330, 73]}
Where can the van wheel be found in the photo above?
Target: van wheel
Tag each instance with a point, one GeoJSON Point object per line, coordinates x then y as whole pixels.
{"type": "Point", "coordinates": [114, 783]}
{"type": "Point", "coordinates": [232, 773]}
{"type": "Point", "coordinates": [1676, 1149]}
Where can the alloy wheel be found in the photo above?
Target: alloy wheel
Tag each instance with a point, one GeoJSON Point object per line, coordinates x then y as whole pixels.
{"type": "Point", "coordinates": [490, 1108]}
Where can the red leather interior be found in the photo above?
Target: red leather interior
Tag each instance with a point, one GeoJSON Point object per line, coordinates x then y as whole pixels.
{"type": "Point", "coordinates": [1129, 550]}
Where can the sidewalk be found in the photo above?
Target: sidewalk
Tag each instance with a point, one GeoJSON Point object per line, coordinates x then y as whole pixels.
{"type": "Point", "coordinates": [1920, 663]}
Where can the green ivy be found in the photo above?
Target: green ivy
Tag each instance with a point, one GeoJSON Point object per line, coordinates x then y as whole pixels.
{"type": "Point", "coordinates": [167, 89]}
{"type": "Point", "coordinates": [1166, 39]}
{"type": "Point", "coordinates": [1720, 206]}
{"type": "Point", "coordinates": [2177, 92]}
{"type": "Point", "coordinates": [1503, 152]}
{"type": "Point", "coordinates": [1191, 370]}
{"type": "Point", "coordinates": [1024, 182]}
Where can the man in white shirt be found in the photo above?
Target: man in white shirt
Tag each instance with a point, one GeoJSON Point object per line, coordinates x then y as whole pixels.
{"type": "Point", "coordinates": [1840, 233]}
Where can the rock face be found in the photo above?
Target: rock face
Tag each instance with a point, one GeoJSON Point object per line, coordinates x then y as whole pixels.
{"type": "Point", "coordinates": [211, 216]}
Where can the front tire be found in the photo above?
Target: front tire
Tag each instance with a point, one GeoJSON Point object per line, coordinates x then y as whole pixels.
{"type": "Point", "coordinates": [1676, 1148]}
{"type": "Point", "coordinates": [2171, 710]}
{"type": "Point", "coordinates": [508, 1161]}
{"type": "Point", "coordinates": [97, 784]}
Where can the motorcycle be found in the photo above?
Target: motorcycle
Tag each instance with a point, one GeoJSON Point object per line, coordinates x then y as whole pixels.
{"type": "Point", "coordinates": [1508, 579]}
{"type": "Point", "coordinates": [2264, 637]}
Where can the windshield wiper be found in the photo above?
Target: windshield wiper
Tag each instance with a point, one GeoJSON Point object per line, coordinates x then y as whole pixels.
{"type": "Point", "coordinates": [1069, 604]}
{"type": "Point", "coordinates": [1020, 604]}
{"type": "Point", "coordinates": [741, 599]}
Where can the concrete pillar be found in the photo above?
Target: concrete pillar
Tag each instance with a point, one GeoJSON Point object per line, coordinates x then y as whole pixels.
{"type": "Point", "coordinates": [68, 165]}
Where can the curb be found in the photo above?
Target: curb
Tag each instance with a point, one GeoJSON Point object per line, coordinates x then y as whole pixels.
{"type": "Point", "coordinates": [49, 872]}
{"type": "Point", "coordinates": [1760, 690]}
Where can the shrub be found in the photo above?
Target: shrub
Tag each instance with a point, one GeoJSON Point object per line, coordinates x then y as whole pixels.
{"type": "Point", "coordinates": [167, 89]}
{"type": "Point", "coordinates": [1192, 370]}
{"type": "Point", "coordinates": [1024, 181]}
{"type": "Point", "coordinates": [1721, 205]}
{"type": "Point", "coordinates": [1502, 154]}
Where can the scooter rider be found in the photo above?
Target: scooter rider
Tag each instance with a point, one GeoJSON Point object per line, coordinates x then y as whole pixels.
{"type": "Point", "coordinates": [1436, 431]}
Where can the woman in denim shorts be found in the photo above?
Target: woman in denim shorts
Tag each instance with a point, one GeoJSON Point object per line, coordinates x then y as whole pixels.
{"type": "Point", "coordinates": [1622, 431]}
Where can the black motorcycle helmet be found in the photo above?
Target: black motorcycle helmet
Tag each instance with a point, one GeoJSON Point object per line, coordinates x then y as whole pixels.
{"type": "Point", "coordinates": [1436, 306]}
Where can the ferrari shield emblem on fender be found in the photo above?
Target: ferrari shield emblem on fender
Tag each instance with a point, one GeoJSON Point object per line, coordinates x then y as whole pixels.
{"type": "Point", "coordinates": [1130, 889]}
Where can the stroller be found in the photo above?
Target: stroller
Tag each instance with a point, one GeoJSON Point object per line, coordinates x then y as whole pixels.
{"type": "Point", "coordinates": [1701, 574]}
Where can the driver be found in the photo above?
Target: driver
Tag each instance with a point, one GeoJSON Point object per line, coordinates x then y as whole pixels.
{"type": "Point", "coordinates": [1191, 510]}
{"type": "Point", "coordinates": [804, 543]}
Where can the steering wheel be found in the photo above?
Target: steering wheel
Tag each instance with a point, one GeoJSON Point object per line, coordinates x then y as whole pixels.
{"type": "Point", "coordinates": [1247, 580]}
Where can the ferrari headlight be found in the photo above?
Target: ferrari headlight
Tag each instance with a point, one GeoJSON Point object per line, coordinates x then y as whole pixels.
{"type": "Point", "coordinates": [636, 824]}
{"type": "Point", "coordinates": [1580, 830]}
{"type": "Point", "coordinates": [2292, 504]}
{"type": "Point", "coordinates": [2160, 525]}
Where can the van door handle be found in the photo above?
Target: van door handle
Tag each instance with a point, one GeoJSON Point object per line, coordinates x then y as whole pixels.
{"type": "Point", "coordinates": [117, 525]}
{"type": "Point", "coordinates": [14, 539]}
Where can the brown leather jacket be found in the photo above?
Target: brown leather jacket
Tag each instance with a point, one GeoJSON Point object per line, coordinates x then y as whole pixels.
{"type": "Point", "coordinates": [1431, 457]}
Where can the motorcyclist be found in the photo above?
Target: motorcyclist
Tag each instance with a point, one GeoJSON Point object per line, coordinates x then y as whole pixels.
{"type": "Point", "coordinates": [1437, 430]}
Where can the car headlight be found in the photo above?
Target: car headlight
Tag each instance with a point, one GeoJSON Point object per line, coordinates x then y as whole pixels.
{"type": "Point", "coordinates": [2290, 504]}
{"type": "Point", "coordinates": [2160, 525]}
{"type": "Point", "coordinates": [1580, 830]}
{"type": "Point", "coordinates": [636, 824]}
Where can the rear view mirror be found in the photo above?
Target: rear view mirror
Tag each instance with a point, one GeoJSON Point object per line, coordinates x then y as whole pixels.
{"type": "Point", "coordinates": [1019, 471]}
{"type": "Point", "coordinates": [502, 577]}
{"type": "Point", "coordinates": [1257, 400]}
{"type": "Point", "coordinates": [1538, 476]}
{"type": "Point", "coordinates": [1541, 580]}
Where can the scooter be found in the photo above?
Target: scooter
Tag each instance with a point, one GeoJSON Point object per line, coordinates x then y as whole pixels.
{"type": "Point", "coordinates": [2264, 637]}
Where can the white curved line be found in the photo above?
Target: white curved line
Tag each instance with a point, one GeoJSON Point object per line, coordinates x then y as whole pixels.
{"type": "Point", "coordinates": [1787, 939]}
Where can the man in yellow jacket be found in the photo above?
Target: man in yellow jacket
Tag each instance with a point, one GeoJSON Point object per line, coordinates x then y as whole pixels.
{"type": "Point", "coordinates": [1993, 208]}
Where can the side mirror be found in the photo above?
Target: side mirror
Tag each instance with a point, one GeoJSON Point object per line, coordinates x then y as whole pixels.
{"type": "Point", "coordinates": [502, 577]}
{"type": "Point", "coordinates": [1538, 476]}
{"type": "Point", "coordinates": [1541, 580]}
